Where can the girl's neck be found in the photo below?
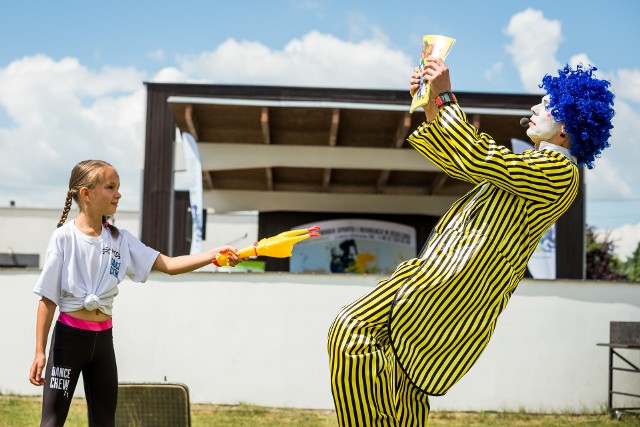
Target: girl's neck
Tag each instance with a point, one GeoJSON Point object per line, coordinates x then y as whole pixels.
{"type": "Point", "coordinates": [89, 225]}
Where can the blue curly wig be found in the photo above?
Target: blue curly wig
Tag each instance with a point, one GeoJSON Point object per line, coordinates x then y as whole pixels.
{"type": "Point", "coordinates": [585, 105]}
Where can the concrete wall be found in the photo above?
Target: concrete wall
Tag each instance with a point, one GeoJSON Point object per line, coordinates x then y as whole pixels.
{"type": "Point", "coordinates": [261, 339]}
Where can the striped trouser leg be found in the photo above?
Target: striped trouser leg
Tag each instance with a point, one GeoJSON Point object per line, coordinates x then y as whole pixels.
{"type": "Point", "coordinates": [412, 404]}
{"type": "Point", "coordinates": [368, 388]}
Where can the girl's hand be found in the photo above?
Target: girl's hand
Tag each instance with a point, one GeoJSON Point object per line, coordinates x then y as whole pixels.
{"type": "Point", "coordinates": [35, 374]}
{"type": "Point", "coordinates": [232, 255]}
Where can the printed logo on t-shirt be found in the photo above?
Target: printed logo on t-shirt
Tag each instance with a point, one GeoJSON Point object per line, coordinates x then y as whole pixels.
{"type": "Point", "coordinates": [115, 267]}
{"type": "Point", "coordinates": [60, 378]}
{"type": "Point", "coordinates": [108, 250]}
{"type": "Point", "coordinates": [115, 263]}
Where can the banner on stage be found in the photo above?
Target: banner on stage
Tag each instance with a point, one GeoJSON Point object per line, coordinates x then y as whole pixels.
{"type": "Point", "coordinates": [194, 182]}
{"type": "Point", "coordinates": [354, 246]}
{"type": "Point", "coordinates": [542, 264]}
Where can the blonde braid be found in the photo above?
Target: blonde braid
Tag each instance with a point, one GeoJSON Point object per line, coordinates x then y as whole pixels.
{"type": "Point", "coordinates": [67, 208]}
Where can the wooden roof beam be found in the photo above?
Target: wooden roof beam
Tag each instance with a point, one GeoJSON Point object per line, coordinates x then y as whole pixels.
{"type": "Point", "coordinates": [333, 138]}
{"type": "Point", "coordinates": [438, 183]}
{"type": "Point", "coordinates": [192, 121]}
{"type": "Point", "coordinates": [398, 140]}
{"type": "Point", "coordinates": [402, 131]}
{"type": "Point", "coordinates": [266, 138]}
{"type": "Point", "coordinates": [192, 126]}
{"type": "Point", "coordinates": [264, 125]}
{"type": "Point", "coordinates": [207, 181]}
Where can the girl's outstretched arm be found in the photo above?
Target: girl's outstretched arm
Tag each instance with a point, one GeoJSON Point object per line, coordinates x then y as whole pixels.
{"type": "Point", "coordinates": [186, 263]}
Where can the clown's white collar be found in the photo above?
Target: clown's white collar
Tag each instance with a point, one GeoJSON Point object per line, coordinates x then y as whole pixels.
{"type": "Point", "coordinates": [558, 149]}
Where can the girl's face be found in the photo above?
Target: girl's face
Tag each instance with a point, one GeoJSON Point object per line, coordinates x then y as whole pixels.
{"type": "Point", "coordinates": [542, 125]}
{"type": "Point", "coordinates": [105, 195]}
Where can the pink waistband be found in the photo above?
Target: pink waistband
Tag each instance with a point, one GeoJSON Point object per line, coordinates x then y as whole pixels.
{"type": "Point", "coordinates": [87, 325]}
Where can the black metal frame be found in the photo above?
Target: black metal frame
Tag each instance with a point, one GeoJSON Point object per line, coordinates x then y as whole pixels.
{"type": "Point", "coordinates": [616, 412]}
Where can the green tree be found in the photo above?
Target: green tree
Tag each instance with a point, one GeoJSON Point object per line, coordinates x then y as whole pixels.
{"type": "Point", "coordinates": [632, 265]}
{"type": "Point", "coordinates": [602, 263]}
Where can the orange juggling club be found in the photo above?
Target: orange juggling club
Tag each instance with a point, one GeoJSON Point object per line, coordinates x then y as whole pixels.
{"type": "Point", "coordinates": [279, 246]}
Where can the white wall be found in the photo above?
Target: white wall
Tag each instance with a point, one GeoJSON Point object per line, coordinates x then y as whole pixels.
{"type": "Point", "coordinates": [261, 339]}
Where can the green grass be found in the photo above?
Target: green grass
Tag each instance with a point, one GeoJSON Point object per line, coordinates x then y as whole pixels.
{"type": "Point", "coordinates": [258, 416]}
{"type": "Point", "coordinates": [24, 411]}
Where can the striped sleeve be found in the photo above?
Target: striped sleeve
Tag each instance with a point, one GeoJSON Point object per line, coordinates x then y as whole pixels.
{"type": "Point", "coordinates": [461, 151]}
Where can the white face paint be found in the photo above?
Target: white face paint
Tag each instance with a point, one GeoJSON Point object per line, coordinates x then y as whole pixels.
{"type": "Point", "coordinates": [542, 126]}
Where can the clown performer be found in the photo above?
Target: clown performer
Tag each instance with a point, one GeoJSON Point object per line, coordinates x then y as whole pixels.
{"type": "Point", "coordinates": [418, 332]}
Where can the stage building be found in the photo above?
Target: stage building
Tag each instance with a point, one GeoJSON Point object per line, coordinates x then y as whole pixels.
{"type": "Point", "coordinates": [302, 155]}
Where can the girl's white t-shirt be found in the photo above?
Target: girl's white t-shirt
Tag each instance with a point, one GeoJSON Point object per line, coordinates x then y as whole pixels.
{"type": "Point", "coordinates": [83, 272]}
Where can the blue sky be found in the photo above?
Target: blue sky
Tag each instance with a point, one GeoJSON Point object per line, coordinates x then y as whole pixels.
{"type": "Point", "coordinates": [72, 73]}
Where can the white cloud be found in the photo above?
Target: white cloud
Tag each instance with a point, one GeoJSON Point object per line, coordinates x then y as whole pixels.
{"type": "Point", "coordinates": [616, 174]}
{"type": "Point", "coordinates": [314, 60]}
{"type": "Point", "coordinates": [625, 239]}
{"type": "Point", "coordinates": [581, 58]}
{"type": "Point", "coordinates": [170, 75]}
{"type": "Point", "coordinates": [627, 84]}
{"type": "Point", "coordinates": [64, 113]}
{"type": "Point", "coordinates": [604, 181]}
{"type": "Point", "coordinates": [533, 47]}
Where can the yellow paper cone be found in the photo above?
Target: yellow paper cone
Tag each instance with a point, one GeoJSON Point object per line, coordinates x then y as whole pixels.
{"type": "Point", "coordinates": [432, 45]}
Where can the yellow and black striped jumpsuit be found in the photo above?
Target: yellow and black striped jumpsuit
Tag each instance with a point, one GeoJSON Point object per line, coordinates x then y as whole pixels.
{"type": "Point", "coordinates": [417, 333]}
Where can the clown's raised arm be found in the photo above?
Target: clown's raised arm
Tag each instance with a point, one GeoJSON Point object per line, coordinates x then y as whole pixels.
{"type": "Point", "coordinates": [571, 123]}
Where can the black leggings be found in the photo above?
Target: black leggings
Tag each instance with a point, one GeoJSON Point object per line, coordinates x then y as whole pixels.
{"type": "Point", "coordinates": [74, 351]}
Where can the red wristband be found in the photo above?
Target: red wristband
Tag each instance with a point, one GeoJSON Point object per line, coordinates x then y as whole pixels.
{"type": "Point", "coordinates": [445, 98]}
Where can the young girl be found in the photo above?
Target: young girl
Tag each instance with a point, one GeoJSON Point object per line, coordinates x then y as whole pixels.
{"type": "Point", "coordinates": [85, 261]}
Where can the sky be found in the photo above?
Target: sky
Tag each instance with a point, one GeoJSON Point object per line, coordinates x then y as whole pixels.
{"type": "Point", "coordinates": [72, 74]}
